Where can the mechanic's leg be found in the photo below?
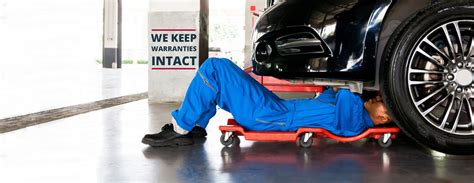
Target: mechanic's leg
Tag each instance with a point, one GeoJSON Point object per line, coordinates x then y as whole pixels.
{"type": "Point", "coordinates": [199, 103]}
{"type": "Point", "coordinates": [219, 82]}
{"type": "Point", "coordinates": [198, 107]}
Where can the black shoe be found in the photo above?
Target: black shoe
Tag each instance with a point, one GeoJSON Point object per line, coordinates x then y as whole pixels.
{"type": "Point", "coordinates": [167, 137]}
{"type": "Point", "coordinates": [197, 132]}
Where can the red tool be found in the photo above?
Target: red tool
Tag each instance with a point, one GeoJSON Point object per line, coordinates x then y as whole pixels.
{"type": "Point", "coordinates": [304, 136]}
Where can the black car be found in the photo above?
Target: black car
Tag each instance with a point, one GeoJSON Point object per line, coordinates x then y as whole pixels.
{"type": "Point", "coordinates": [418, 53]}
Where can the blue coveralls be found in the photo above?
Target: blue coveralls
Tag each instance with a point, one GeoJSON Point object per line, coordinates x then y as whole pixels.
{"type": "Point", "coordinates": [220, 82]}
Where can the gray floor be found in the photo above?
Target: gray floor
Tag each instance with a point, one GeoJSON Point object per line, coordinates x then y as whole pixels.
{"type": "Point", "coordinates": [104, 146]}
{"type": "Point", "coordinates": [52, 86]}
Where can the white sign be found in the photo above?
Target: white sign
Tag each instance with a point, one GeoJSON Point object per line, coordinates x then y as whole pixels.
{"type": "Point", "coordinates": [173, 54]}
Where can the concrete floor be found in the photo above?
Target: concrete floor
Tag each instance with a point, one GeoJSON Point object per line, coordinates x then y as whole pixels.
{"type": "Point", "coordinates": [46, 86]}
{"type": "Point", "coordinates": [104, 146]}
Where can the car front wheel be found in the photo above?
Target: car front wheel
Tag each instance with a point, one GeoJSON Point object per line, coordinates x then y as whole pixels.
{"type": "Point", "coordinates": [428, 77]}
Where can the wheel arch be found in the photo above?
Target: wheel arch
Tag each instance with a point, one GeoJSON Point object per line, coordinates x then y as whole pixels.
{"type": "Point", "coordinates": [399, 11]}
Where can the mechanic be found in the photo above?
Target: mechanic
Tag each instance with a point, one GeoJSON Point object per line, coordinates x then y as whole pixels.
{"type": "Point", "coordinates": [220, 82]}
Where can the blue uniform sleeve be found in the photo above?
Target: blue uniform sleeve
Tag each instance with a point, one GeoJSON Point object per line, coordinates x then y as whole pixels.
{"type": "Point", "coordinates": [329, 92]}
{"type": "Point", "coordinates": [351, 117]}
{"type": "Point", "coordinates": [328, 96]}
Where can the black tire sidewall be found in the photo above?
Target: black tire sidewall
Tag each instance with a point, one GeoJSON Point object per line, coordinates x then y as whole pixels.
{"type": "Point", "coordinates": [396, 90]}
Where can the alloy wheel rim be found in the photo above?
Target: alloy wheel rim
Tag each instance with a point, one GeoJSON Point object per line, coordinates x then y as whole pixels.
{"type": "Point", "coordinates": [440, 77]}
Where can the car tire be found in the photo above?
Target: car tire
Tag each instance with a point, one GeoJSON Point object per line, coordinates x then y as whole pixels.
{"type": "Point", "coordinates": [406, 88]}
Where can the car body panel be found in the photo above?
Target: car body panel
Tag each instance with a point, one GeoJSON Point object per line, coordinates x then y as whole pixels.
{"type": "Point", "coordinates": [349, 33]}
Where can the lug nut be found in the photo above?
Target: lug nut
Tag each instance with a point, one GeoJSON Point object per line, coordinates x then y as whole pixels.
{"type": "Point", "coordinates": [460, 64]}
{"type": "Point", "coordinates": [455, 70]}
{"type": "Point", "coordinates": [459, 89]}
{"type": "Point", "coordinates": [450, 77]}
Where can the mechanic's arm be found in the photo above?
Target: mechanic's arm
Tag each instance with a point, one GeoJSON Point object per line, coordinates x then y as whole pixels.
{"type": "Point", "coordinates": [349, 113]}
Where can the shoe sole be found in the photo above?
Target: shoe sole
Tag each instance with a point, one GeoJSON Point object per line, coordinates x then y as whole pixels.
{"type": "Point", "coordinates": [173, 142]}
{"type": "Point", "coordinates": [195, 136]}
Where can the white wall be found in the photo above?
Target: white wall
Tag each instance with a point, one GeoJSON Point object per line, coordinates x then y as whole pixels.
{"type": "Point", "coordinates": [174, 5]}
